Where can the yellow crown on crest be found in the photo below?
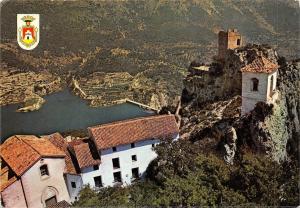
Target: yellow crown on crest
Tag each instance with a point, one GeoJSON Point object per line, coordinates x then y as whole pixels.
{"type": "Point", "coordinates": [28, 18]}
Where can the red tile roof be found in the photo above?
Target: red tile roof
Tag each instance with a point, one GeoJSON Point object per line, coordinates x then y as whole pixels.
{"type": "Point", "coordinates": [134, 130]}
{"type": "Point", "coordinates": [60, 143]}
{"type": "Point", "coordinates": [61, 204]}
{"type": "Point", "coordinates": [20, 152]}
{"type": "Point", "coordinates": [84, 156]}
{"type": "Point", "coordinates": [260, 65]}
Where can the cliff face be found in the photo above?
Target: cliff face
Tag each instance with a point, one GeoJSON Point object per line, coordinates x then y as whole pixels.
{"type": "Point", "coordinates": [274, 130]}
{"type": "Point", "coordinates": [216, 124]}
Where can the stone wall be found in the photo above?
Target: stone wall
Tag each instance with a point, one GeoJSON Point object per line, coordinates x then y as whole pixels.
{"type": "Point", "coordinates": [228, 40]}
{"type": "Point", "coordinates": [224, 78]}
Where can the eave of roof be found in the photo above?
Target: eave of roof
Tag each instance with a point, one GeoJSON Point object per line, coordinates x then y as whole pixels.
{"type": "Point", "coordinates": [84, 156]}
{"type": "Point", "coordinates": [260, 65]}
{"type": "Point", "coordinates": [59, 142]}
{"type": "Point", "coordinates": [133, 130]}
{"type": "Point", "coordinates": [21, 152]}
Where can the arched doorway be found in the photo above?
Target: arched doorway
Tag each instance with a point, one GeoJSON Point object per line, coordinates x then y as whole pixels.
{"type": "Point", "coordinates": [49, 196]}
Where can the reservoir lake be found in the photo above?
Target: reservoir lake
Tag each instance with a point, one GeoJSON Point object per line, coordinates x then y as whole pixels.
{"type": "Point", "coordinates": [63, 112]}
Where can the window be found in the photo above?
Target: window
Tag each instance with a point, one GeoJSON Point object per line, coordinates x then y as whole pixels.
{"type": "Point", "coordinates": [73, 184]}
{"type": "Point", "coordinates": [116, 163]}
{"type": "Point", "coordinates": [51, 201]}
{"type": "Point", "coordinates": [153, 145]}
{"type": "Point", "coordinates": [132, 145]}
{"type": "Point", "coordinates": [254, 84]}
{"type": "Point", "coordinates": [114, 149]}
{"type": "Point", "coordinates": [271, 86]}
{"type": "Point", "coordinates": [238, 42]}
{"type": "Point", "coordinates": [117, 177]}
{"type": "Point", "coordinates": [98, 181]}
{"type": "Point", "coordinates": [133, 158]}
{"type": "Point", "coordinates": [44, 170]}
{"type": "Point", "coordinates": [96, 167]}
{"type": "Point", "coordinates": [135, 173]}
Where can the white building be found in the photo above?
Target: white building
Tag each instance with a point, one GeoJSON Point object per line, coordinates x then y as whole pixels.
{"type": "Point", "coordinates": [120, 152]}
{"type": "Point", "coordinates": [32, 173]}
{"type": "Point", "coordinates": [48, 171]}
{"type": "Point", "coordinates": [71, 174]}
{"type": "Point", "coordinates": [258, 83]}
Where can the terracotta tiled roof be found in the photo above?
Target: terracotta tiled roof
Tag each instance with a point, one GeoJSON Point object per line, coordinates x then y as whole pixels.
{"type": "Point", "coordinates": [61, 204]}
{"type": "Point", "coordinates": [260, 65]}
{"type": "Point", "coordinates": [60, 143]}
{"type": "Point", "coordinates": [21, 152]}
{"type": "Point", "coordinates": [134, 130]}
{"type": "Point", "coordinates": [85, 156]}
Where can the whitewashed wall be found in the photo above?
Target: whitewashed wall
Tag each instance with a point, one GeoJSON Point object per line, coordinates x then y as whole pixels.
{"type": "Point", "coordinates": [144, 152]}
{"type": "Point", "coordinates": [13, 195]}
{"type": "Point", "coordinates": [35, 185]}
{"type": "Point", "coordinates": [249, 97]}
{"type": "Point", "coordinates": [73, 192]}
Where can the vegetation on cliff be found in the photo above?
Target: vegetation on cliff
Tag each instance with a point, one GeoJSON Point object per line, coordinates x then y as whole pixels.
{"type": "Point", "coordinates": [185, 175]}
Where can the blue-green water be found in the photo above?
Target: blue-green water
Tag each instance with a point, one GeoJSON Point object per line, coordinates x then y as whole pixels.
{"type": "Point", "coordinates": [63, 112]}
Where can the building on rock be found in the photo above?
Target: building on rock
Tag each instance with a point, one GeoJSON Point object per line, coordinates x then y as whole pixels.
{"type": "Point", "coordinates": [258, 83]}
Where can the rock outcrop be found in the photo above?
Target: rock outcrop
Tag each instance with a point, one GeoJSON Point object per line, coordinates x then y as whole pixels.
{"type": "Point", "coordinates": [275, 130]}
{"type": "Point", "coordinates": [221, 79]}
{"type": "Point", "coordinates": [211, 111]}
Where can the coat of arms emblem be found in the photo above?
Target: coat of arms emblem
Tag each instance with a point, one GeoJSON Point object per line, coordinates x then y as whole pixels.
{"type": "Point", "coordinates": [28, 34]}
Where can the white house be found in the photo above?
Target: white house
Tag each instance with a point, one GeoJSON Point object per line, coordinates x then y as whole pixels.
{"type": "Point", "coordinates": [258, 83]}
{"type": "Point", "coordinates": [71, 174]}
{"type": "Point", "coordinates": [48, 171]}
{"type": "Point", "coordinates": [32, 173]}
{"type": "Point", "coordinates": [120, 152]}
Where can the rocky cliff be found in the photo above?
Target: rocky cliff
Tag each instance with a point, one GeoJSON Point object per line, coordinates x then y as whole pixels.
{"type": "Point", "coordinates": [221, 79]}
{"type": "Point", "coordinates": [211, 112]}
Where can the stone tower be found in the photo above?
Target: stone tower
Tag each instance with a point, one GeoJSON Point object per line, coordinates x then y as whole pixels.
{"type": "Point", "coordinates": [258, 83]}
{"type": "Point", "coordinates": [228, 40]}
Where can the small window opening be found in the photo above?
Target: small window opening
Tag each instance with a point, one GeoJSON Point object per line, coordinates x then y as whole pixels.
{"type": "Point", "coordinates": [254, 84]}
{"type": "Point", "coordinates": [133, 158]}
{"type": "Point", "coordinates": [96, 167]}
{"type": "Point", "coordinates": [98, 181]}
{"type": "Point", "coordinates": [132, 145]}
{"type": "Point", "coordinates": [114, 149]}
{"type": "Point", "coordinates": [73, 184]}
{"type": "Point", "coordinates": [135, 173]}
{"type": "Point", "coordinates": [117, 177]}
{"type": "Point", "coordinates": [116, 163]}
{"type": "Point", "coordinates": [44, 170]}
{"type": "Point", "coordinates": [238, 42]}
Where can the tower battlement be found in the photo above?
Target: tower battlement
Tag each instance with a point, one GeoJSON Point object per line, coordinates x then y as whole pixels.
{"type": "Point", "coordinates": [229, 39]}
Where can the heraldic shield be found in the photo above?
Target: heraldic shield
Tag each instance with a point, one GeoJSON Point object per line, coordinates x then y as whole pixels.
{"type": "Point", "coordinates": [28, 34]}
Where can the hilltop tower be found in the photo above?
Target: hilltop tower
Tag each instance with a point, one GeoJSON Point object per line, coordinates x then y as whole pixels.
{"type": "Point", "coordinates": [258, 83]}
{"type": "Point", "coordinates": [228, 40]}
